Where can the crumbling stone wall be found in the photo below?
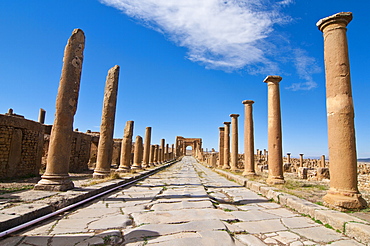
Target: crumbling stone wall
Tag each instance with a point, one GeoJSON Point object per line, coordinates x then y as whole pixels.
{"type": "Point", "coordinates": [21, 144]}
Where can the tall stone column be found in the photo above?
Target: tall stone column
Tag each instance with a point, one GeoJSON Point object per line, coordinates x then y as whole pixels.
{"type": "Point", "coordinates": [105, 146]}
{"type": "Point", "coordinates": [56, 176]}
{"type": "Point", "coordinates": [248, 139]}
{"type": "Point", "coordinates": [125, 161]}
{"type": "Point", "coordinates": [157, 154]}
{"type": "Point", "coordinates": [301, 160]}
{"type": "Point", "coordinates": [275, 149]}
{"type": "Point", "coordinates": [167, 154]}
{"type": "Point", "coordinates": [227, 146]}
{"type": "Point", "coordinates": [288, 157]}
{"type": "Point", "coordinates": [163, 142]}
{"type": "Point", "coordinates": [147, 147]}
{"type": "Point", "coordinates": [172, 151]}
{"type": "Point", "coordinates": [221, 147]}
{"type": "Point", "coordinates": [343, 190]}
{"type": "Point", "coordinates": [151, 156]}
{"type": "Point", "coordinates": [234, 142]}
{"type": "Point", "coordinates": [138, 154]}
{"type": "Point", "coordinates": [42, 114]}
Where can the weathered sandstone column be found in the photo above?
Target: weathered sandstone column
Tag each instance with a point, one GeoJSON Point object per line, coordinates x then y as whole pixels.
{"type": "Point", "coordinates": [42, 114]}
{"type": "Point", "coordinates": [301, 160]}
{"type": "Point", "coordinates": [163, 142]}
{"type": "Point", "coordinates": [288, 157]}
{"type": "Point", "coordinates": [151, 156]}
{"type": "Point", "coordinates": [56, 176]}
{"type": "Point", "coordinates": [166, 155]}
{"type": "Point", "coordinates": [226, 146]}
{"type": "Point", "coordinates": [248, 138]}
{"type": "Point", "coordinates": [275, 157]}
{"type": "Point", "coordinates": [221, 147]}
{"type": "Point", "coordinates": [322, 164]}
{"type": "Point", "coordinates": [343, 190]}
{"type": "Point", "coordinates": [125, 162]}
{"type": "Point", "coordinates": [138, 154]}
{"type": "Point", "coordinates": [157, 154]}
{"type": "Point", "coordinates": [147, 147]}
{"type": "Point", "coordinates": [234, 142]}
{"type": "Point", "coordinates": [105, 146]}
{"type": "Point", "coordinates": [172, 151]}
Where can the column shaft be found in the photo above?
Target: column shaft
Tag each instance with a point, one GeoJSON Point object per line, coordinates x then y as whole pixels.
{"type": "Point", "coordinates": [248, 139]}
{"type": "Point", "coordinates": [125, 161]}
{"type": "Point", "coordinates": [147, 147]}
{"type": "Point", "coordinates": [234, 142]}
{"type": "Point", "coordinates": [221, 147]}
{"type": "Point", "coordinates": [227, 146]}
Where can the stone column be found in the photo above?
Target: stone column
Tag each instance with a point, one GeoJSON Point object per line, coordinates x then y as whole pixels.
{"type": "Point", "coordinates": [172, 151]}
{"type": "Point", "coordinates": [275, 157]}
{"type": "Point", "coordinates": [42, 114]}
{"type": "Point", "coordinates": [301, 160]}
{"type": "Point", "coordinates": [163, 142]}
{"type": "Point", "coordinates": [166, 155]}
{"type": "Point", "coordinates": [248, 138]}
{"type": "Point", "coordinates": [105, 146]}
{"type": "Point", "coordinates": [147, 147]}
{"type": "Point", "coordinates": [226, 146]}
{"type": "Point", "coordinates": [56, 176]}
{"type": "Point", "coordinates": [288, 157]}
{"type": "Point", "coordinates": [221, 147]}
{"type": "Point", "coordinates": [151, 155]}
{"type": "Point", "coordinates": [138, 154]}
{"type": "Point", "coordinates": [125, 162]}
{"type": "Point", "coordinates": [343, 190]}
{"type": "Point", "coordinates": [234, 142]}
{"type": "Point", "coordinates": [157, 154]}
{"type": "Point", "coordinates": [322, 164]}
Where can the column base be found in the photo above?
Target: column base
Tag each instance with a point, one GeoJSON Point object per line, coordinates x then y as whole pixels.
{"type": "Point", "coordinates": [249, 173]}
{"type": "Point", "coordinates": [136, 167]}
{"type": "Point", "coordinates": [275, 180]}
{"type": "Point", "coordinates": [54, 183]}
{"type": "Point", "coordinates": [123, 170]}
{"type": "Point", "coordinates": [344, 199]}
{"type": "Point", "coordinates": [226, 167]}
{"type": "Point", "coordinates": [101, 174]}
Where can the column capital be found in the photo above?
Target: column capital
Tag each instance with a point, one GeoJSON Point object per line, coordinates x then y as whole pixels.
{"type": "Point", "coordinates": [247, 102]}
{"type": "Point", "coordinates": [342, 18]}
{"type": "Point", "coordinates": [234, 115]}
{"type": "Point", "coordinates": [221, 128]}
{"type": "Point", "coordinates": [273, 79]}
{"type": "Point", "coordinates": [227, 123]}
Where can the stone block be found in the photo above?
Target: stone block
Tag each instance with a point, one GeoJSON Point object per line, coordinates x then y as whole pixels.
{"type": "Point", "coordinates": [360, 232]}
{"type": "Point", "coordinates": [335, 219]}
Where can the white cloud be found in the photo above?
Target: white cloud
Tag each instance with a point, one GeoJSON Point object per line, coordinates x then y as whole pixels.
{"type": "Point", "coordinates": [306, 67]}
{"type": "Point", "coordinates": [219, 34]}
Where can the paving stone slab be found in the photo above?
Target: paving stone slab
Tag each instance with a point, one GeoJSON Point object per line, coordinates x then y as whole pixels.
{"type": "Point", "coordinates": [281, 212]}
{"type": "Point", "coordinates": [250, 240]}
{"type": "Point", "coordinates": [110, 222]}
{"type": "Point", "coordinates": [253, 215]}
{"type": "Point", "coordinates": [181, 205]}
{"type": "Point", "coordinates": [318, 234]}
{"type": "Point", "coordinates": [286, 237]}
{"type": "Point", "coordinates": [360, 232]}
{"type": "Point", "coordinates": [264, 226]}
{"type": "Point", "coordinates": [335, 218]}
{"type": "Point", "coordinates": [298, 222]}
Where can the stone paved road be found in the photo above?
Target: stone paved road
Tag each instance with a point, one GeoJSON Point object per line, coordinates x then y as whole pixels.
{"type": "Point", "coordinates": [186, 204]}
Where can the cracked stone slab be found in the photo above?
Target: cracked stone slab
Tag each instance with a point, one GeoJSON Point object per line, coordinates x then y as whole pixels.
{"type": "Point", "coordinates": [286, 237]}
{"type": "Point", "coordinates": [155, 230]}
{"type": "Point", "coordinates": [281, 212]}
{"type": "Point", "coordinates": [179, 216]}
{"type": "Point", "coordinates": [181, 205]}
{"type": "Point", "coordinates": [318, 234]}
{"type": "Point", "coordinates": [253, 215]}
{"type": "Point", "coordinates": [250, 240]}
{"type": "Point", "coordinates": [298, 222]}
{"type": "Point", "coordinates": [111, 222]}
{"type": "Point", "coordinates": [71, 226]}
{"type": "Point", "coordinates": [262, 226]}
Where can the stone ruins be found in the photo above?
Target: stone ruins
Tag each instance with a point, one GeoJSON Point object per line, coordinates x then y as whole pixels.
{"type": "Point", "coordinates": [27, 146]}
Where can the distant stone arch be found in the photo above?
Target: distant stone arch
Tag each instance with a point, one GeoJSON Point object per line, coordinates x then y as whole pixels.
{"type": "Point", "coordinates": [195, 143]}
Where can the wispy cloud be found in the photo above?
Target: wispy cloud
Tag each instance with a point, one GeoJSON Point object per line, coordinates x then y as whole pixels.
{"type": "Point", "coordinates": [306, 66]}
{"type": "Point", "coordinates": [219, 34]}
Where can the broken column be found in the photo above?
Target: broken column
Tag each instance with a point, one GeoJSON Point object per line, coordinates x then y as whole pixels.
{"type": "Point", "coordinates": [234, 142]}
{"type": "Point", "coordinates": [125, 161]}
{"type": "Point", "coordinates": [42, 114]}
{"type": "Point", "coordinates": [221, 147]}
{"type": "Point", "coordinates": [248, 139]}
{"type": "Point", "coordinates": [275, 157]}
{"type": "Point", "coordinates": [138, 154]}
{"type": "Point", "coordinates": [147, 147]}
{"type": "Point", "coordinates": [105, 146]}
{"type": "Point", "coordinates": [322, 163]}
{"type": "Point", "coordinates": [301, 160]}
{"type": "Point", "coordinates": [161, 153]}
{"type": "Point", "coordinates": [226, 146]}
{"type": "Point", "coordinates": [343, 190]}
{"type": "Point", "coordinates": [151, 158]}
{"type": "Point", "coordinates": [56, 176]}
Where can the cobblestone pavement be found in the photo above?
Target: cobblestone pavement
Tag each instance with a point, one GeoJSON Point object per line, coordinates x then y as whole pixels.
{"type": "Point", "coordinates": [186, 204]}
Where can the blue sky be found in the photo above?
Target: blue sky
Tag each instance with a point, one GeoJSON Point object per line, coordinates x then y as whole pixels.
{"type": "Point", "coordinates": [185, 65]}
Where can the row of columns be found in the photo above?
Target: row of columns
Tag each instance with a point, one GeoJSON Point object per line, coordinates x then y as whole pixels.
{"type": "Point", "coordinates": [343, 190]}
{"type": "Point", "coordinates": [56, 176]}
